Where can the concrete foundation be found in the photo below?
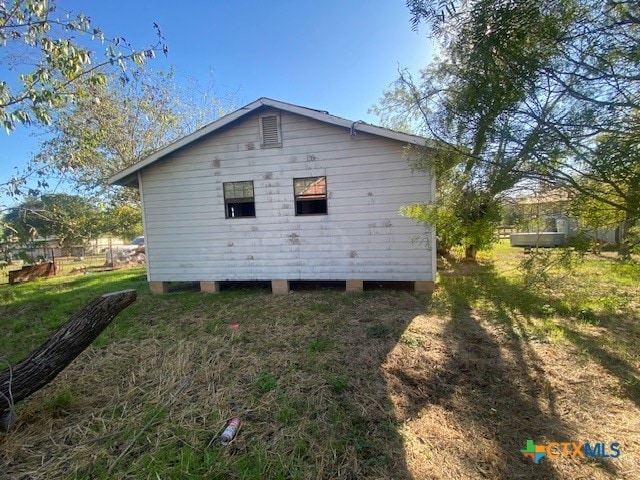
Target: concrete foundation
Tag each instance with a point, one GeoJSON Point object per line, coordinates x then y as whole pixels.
{"type": "Point", "coordinates": [354, 286]}
{"type": "Point", "coordinates": [280, 287]}
{"type": "Point", "coordinates": [424, 287]}
{"type": "Point", "coordinates": [159, 287]}
{"type": "Point", "coordinates": [210, 287]}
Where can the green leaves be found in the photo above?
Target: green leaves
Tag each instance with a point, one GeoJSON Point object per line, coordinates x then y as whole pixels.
{"type": "Point", "coordinates": [113, 124]}
{"type": "Point", "coordinates": [465, 218]}
{"type": "Point", "coordinates": [71, 219]}
{"type": "Point", "coordinates": [545, 91]}
{"type": "Point", "coordinates": [66, 217]}
{"type": "Point", "coordinates": [32, 30]}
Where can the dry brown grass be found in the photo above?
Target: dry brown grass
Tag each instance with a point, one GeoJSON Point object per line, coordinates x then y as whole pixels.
{"type": "Point", "coordinates": [469, 397]}
{"type": "Point", "coordinates": [136, 406]}
{"type": "Point", "coordinates": [383, 385]}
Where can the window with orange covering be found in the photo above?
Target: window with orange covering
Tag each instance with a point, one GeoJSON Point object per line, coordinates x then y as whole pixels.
{"type": "Point", "coordinates": [311, 195]}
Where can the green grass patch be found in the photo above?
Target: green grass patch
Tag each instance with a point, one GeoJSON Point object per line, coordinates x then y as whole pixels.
{"type": "Point", "coordinates": [328, 385]}
{"type": "Point", "coordinates": [60, 402]}
{"type": "Point", "coordinates": [411, 339]}
{"type": "Point", "coordinates": [379, 330]}
{"type": "Point", "coordinates": [264, 382]}
{"type": "Point", "coordinates": [338, 384]}
{"type": "Point", "coordinates": [320, 345]}
{"type": "Point", "coordinates": [30, 312]}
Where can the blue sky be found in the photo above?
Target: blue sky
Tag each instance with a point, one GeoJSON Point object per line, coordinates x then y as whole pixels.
{"type": "Point", "coordinates": [335, 55]}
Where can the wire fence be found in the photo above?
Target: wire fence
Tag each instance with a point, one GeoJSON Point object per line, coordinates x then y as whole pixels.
{"type": "Point", "coordinates": [64, 265]}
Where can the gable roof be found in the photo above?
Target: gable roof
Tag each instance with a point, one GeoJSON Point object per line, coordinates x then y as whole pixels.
{"type": "Point", "coordinates": [128, 176]}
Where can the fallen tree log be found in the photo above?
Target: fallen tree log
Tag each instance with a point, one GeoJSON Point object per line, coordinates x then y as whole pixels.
{"type": "Point", "coordinates": [47, 361]}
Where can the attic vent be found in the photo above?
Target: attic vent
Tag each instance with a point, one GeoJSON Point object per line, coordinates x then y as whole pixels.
{"type": "Point", "coordinates": [270, 131]}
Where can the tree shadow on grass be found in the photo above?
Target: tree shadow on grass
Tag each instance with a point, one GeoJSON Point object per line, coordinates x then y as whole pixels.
{"type": "Point", "coordinates": [303, 372]}
{"type": "Point", "coordinates": [492, 380]}
{"type": "Point", "coordinates": [514, 307]}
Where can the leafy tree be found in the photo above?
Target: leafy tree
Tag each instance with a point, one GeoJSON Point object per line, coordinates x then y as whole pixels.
{"type": "Point", "coordinates": [608, 185]}
{"type": "Point", "coordinates": [122, 221]}
{"type": "Point", "coordinates": [524, 89]}
{"type": "Point", "coordinates": [469, 101]}
{"type": "Point", "coordinates": [54, 57]}
{"type": "Point", "coordinates": [50, 51]}
{"type": "Point", "coordinates": [68, 218]}
{"type": "Point", "coordinates": [113, 125]}
{"type": "Point", "coordinates": [460, 219]}
{"type": "Point", "coordinates": [595, 120]}
{"type": "Point", "coordinates": [104, 113]}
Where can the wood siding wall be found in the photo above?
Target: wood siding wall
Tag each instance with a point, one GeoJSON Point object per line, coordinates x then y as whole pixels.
{"type": "Point", "coordinates": [189, 239]}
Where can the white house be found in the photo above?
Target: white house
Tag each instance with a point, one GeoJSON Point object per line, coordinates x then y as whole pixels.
{"type": "Point", "coordinates": [278, 192]}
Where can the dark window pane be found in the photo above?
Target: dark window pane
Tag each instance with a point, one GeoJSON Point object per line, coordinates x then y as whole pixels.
{"type": "Point", "coordinates": [311, 207]}
{"type": "Point", "coordinates": [238, 199]}
{"type": "Point", "coordinates": [236, 210]}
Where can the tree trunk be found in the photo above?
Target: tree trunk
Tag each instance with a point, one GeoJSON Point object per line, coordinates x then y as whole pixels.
{"type": "Point", "coordinates": [624, 248]}
{"type": "Point", "coordinates": [470, 252]}
{"type": "Point", "coordinates": [47, 361]}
